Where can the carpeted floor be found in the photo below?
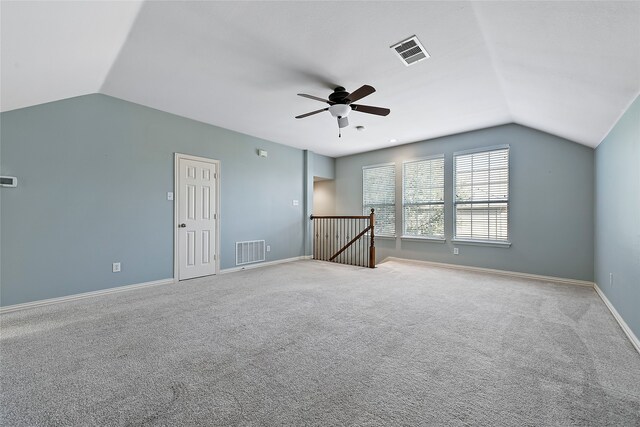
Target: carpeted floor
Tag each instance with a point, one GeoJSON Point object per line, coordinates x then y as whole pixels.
{"type": "Point", "coordinates": [313, 343]}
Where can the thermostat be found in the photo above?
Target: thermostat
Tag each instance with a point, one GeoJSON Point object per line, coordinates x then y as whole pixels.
{"type": "Point", "coordinates": [8, 181]}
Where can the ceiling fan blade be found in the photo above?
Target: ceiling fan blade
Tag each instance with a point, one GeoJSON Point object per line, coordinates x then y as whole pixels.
{"type": "Point", "coordinates": [302, 116]}
{"type": "Point", "coordinates": [365, 90]}
{"type": "Point", "coordinates": [343, 122]}
{"type": "Point", "coordinates": [379, 111]}
{"type": "Point", "coordinates": [304, 95]}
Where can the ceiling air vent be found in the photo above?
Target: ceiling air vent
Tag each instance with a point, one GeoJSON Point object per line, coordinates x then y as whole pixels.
{"type": "Point", "coordinates": [410, 51]}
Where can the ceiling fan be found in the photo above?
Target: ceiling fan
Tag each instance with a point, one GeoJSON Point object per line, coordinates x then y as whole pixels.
{"type": "Point", "coordinates": [341, 103]}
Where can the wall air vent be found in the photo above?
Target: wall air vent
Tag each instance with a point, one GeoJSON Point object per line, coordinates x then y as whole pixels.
{"type": "Point", "coordinates": [410, 51]}
{"type": "Point", "coordinates": [250, 251]}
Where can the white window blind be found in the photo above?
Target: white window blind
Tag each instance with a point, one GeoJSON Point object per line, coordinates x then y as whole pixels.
{"type": "Point", "coordinates": [379, 193]}
{"type": "Point", "coordinates": [482, 194]}
{"type": "Point", "coordinates": [423, 197]}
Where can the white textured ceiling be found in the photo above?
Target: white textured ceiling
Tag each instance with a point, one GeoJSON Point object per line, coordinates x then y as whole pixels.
{"type": "Point", "coordinates": [52, 50]}
{"type": "Point", "coordinates": [567, 68]}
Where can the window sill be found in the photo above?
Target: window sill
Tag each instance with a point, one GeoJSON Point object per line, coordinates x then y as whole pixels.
{"type": "Point", "coordinates": [385, 237]}
{"type": "Point", "coordinates": [494, 243]}
{"type": "Point", "coordinates": [424, 239]}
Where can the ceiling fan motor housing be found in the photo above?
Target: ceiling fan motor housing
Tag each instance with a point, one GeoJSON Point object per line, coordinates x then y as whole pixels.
{"type": "Point", "coordinates": [339, 95]}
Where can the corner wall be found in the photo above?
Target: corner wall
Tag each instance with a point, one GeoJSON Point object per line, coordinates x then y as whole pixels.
{"type": "Point", "coordinates": [324, 197]}
{"type": "Point", "coordinates": [551, 202]}
{"type": "Point", "coordinates": [324, 187]}
{"type": "Point", "coordinates": [93, 176]}
{"type": "Point", "coordinates": [617, 216]}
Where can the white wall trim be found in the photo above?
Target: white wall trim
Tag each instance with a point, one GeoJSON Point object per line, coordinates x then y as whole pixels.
{"type": "Point", "coordinates": [264, 264]}
{"type": "Point", "coordinates": [74, 297]}
{"type": "Point", "coordinates": [561, 280]}
{"type": "Point", "coordinates": [625, 328]}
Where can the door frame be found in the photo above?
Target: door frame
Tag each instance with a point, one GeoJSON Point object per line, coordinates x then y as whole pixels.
{"type": "Point", "coordinates": [176, 171]}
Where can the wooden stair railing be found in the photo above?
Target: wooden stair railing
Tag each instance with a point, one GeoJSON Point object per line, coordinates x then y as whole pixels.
{"type": "Point", "coordinates": [343, 239]}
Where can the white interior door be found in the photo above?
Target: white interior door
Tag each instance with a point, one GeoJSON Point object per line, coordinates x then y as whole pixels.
{"type": "Point", "coordinates": [196, 199]}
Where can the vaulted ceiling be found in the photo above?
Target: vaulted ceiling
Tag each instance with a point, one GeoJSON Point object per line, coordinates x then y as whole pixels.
{"type": "Point", "coordinates": [567, 68]}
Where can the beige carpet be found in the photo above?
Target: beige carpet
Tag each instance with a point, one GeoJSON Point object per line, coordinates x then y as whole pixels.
{"type": "Point", "coordinates": [313, 343]}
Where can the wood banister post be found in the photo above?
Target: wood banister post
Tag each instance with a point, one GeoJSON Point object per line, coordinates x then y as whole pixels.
{"type": "Point", "coordinates": [372, 246]}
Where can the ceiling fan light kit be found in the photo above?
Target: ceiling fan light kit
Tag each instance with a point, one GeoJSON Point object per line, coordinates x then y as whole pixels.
{"type": "Point", "coordinates": [341, 104]}
{"type": "Point", "coordinates": [340, 110]}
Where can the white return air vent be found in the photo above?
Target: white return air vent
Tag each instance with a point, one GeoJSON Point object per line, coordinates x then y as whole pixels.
{"type": "Point", "coordinates": [410, 51]}
{"type": "Point", "coordinates": [250, 251]}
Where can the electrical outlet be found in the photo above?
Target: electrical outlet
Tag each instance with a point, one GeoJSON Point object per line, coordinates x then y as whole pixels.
{"type": "Point", "coordinates": [610, 279]}
{"type": "Point", "coordinates": [115, 267]}
{"type": "Point", "coordinates": [295, 203]}
{"type": "Point", "coordinates": [456, 251]}
{"type": "Point", "coordinates": [268, 248]}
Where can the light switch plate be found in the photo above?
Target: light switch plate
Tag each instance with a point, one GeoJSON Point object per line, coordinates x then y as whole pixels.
{"type": "Point", "coordinates": [295, 203]}
{"type": "Point", "coordinates": [170, 195]}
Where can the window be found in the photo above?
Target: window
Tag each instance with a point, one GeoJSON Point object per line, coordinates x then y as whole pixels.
{"type": "Point", "coordinates": [481, 198]}
{"type": "Point", "coordinates": [379, 193]}
{"type": "Point", "coordinates": [423, 198]}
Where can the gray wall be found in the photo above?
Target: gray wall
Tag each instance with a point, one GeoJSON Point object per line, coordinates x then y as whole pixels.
{"type": "Point", "coordinates": [617, 216]}
{"type": "Point", "coordinates": [323, 166]}
{"type": "Point", "coordinates": [93, 175]}
{"type": "Point", "coordinates": [551, 202]}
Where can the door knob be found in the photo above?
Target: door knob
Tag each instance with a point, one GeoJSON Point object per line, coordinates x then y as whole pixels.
{"type": "Point", "coordinates": [183, 225]}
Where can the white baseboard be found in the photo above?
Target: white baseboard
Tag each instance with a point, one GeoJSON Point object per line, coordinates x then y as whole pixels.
{"type": "Point", "coordinates": [40, 303]}
{"type": "Point", "coordinates": [263, 264]}
{"type": "Point", "coordinates": [83, 295]}
{"type": "Point", "coordinates": [625, 328]}
{"type": "Point", "coordinates": [561, 280]}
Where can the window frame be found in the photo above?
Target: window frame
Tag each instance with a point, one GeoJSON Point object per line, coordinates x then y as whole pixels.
{"type": "Point", "coordinates": [431, 237]}
{"type": "Point", "coordinates": [482, 242]}
{"type": "Point", "coordinates": [379, 165]}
